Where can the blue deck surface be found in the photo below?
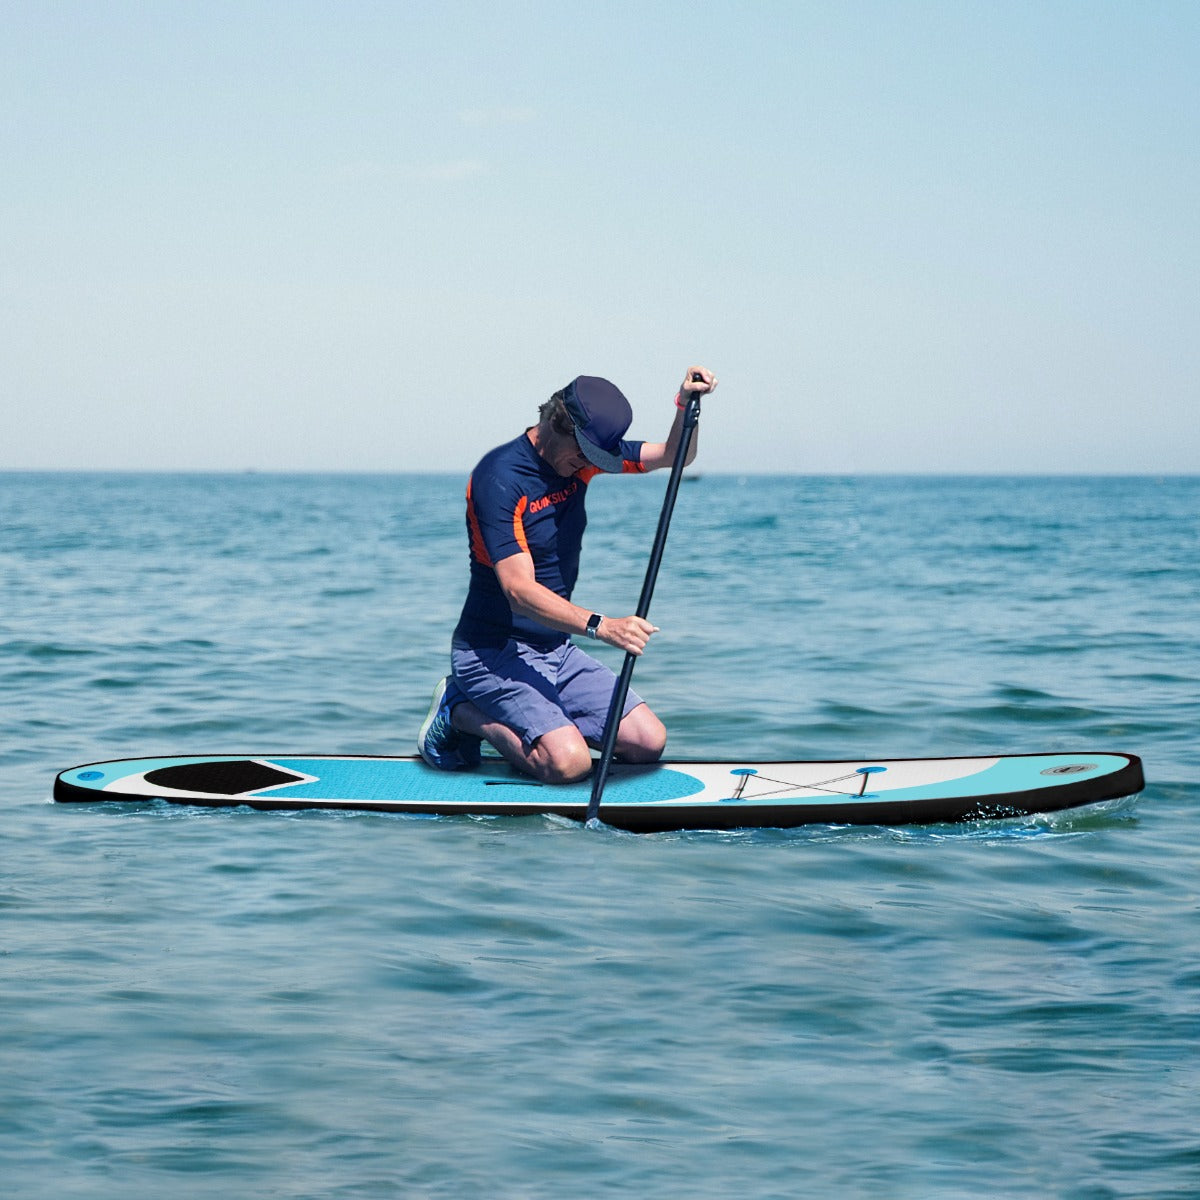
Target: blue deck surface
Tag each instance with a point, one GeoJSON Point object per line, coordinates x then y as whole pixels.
{"type": "Point", "coordinates": [405, 780]}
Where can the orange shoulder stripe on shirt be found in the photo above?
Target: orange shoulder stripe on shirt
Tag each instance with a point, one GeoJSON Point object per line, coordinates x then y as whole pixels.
{"type": "Point", "coordinates": [629, 466]}
{"type": "Point", "coordinates": [478, 549]}
{"type": "Point", "coordinates": [519, 523]}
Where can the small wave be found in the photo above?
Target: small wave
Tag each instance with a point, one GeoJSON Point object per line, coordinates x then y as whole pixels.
{"type": "Point", "coordinates": [46, 650]}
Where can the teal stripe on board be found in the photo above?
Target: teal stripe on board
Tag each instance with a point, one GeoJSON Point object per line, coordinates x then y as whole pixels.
{"type": "Point", "coordinates": [1008, 775]}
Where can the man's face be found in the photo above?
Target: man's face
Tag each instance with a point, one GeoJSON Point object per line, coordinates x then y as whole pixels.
{"type": "Point", "coordinates": [562, 452]}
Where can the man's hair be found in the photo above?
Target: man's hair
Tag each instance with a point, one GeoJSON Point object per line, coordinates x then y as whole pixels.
{"type": "Point", "coordinates": [555, 411]}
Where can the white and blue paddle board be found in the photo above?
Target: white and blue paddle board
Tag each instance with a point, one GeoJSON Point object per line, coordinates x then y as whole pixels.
{"type": "Point", "coordinates": [666, 796]}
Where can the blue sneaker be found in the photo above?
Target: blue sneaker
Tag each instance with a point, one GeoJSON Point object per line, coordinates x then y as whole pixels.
{"type": "Point", "coordinates": [440, 744]}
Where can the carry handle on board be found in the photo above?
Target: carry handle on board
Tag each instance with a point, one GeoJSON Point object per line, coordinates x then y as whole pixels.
{"type": "Point", "coordinates": [691, 414]}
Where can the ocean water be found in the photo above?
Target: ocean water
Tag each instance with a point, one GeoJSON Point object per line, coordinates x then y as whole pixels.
{"type": "Point", "coordinates": [230, 1003]}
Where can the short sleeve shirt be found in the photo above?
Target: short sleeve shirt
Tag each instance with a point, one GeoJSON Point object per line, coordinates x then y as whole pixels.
{"type": "Point", "coordinates": [517, 503]}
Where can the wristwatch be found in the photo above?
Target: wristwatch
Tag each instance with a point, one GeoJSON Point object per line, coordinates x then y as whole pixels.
{"type": "Point", "coordinates": [593, 625]}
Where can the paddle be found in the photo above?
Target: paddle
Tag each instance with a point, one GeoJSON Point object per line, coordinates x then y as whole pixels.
{"type": "Point", "coordinates": [691, 414]}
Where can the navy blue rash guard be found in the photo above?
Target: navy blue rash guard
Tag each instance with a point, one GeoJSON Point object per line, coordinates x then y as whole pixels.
{"type": "Point", "coordinates": [517, 503]}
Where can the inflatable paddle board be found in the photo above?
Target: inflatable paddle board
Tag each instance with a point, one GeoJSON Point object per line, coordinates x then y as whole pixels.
{"type": "Point", "coordinates": [666, 796]}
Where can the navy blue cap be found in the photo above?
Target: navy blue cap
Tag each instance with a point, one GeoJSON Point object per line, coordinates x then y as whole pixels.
{"type": "Point", "coordinates": [602, 417]}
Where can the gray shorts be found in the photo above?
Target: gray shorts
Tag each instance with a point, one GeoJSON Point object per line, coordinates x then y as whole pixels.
{"type": "Point", "coordinates": [534, 691]}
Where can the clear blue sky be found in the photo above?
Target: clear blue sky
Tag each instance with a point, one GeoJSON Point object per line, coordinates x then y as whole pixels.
{"type": "Point", "coordinates": [908, 236]}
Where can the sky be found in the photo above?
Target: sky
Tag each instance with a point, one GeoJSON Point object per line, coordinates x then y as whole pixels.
{"type": "Point", "coordinates": [909, 237]}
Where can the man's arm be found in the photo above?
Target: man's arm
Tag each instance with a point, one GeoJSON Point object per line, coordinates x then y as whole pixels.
{"type": "Point", "coordinates": [662, 454]}
{"type": "Point", "coordinates": [528, 598]}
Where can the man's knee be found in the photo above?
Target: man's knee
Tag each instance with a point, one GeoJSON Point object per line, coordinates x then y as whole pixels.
{"type": "Point", "coordinates": [559, 757]}
{"type": "Point", "coordinates": [641, 753]}
{"type": "Point", "coordinates": [642, 737]}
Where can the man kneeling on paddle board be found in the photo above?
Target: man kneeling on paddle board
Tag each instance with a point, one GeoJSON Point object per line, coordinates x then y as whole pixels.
{"type": "Point", "coordinates": [518, 680]}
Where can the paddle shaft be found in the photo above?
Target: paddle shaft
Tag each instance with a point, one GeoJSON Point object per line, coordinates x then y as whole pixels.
{"type": "Point", "coordinates": [691, 414]}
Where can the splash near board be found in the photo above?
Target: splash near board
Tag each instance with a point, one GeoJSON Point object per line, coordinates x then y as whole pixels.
{"type": "Point", "coordinates": [667, 796]}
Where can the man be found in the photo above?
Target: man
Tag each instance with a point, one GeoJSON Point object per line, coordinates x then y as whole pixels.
{"type": "Point", "coordinates": [518, 680]}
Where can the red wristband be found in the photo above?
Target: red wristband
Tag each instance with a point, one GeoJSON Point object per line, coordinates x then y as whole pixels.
{"type": "Point", "coordinates": [678, 394]}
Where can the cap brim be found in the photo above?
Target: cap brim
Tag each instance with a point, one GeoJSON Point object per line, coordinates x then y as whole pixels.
{"type": "Point", "coordinates": [597, 457]}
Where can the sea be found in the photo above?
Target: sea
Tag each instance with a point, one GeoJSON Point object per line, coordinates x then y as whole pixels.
{"type": "Point", "coordinates": [229, 1003]}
